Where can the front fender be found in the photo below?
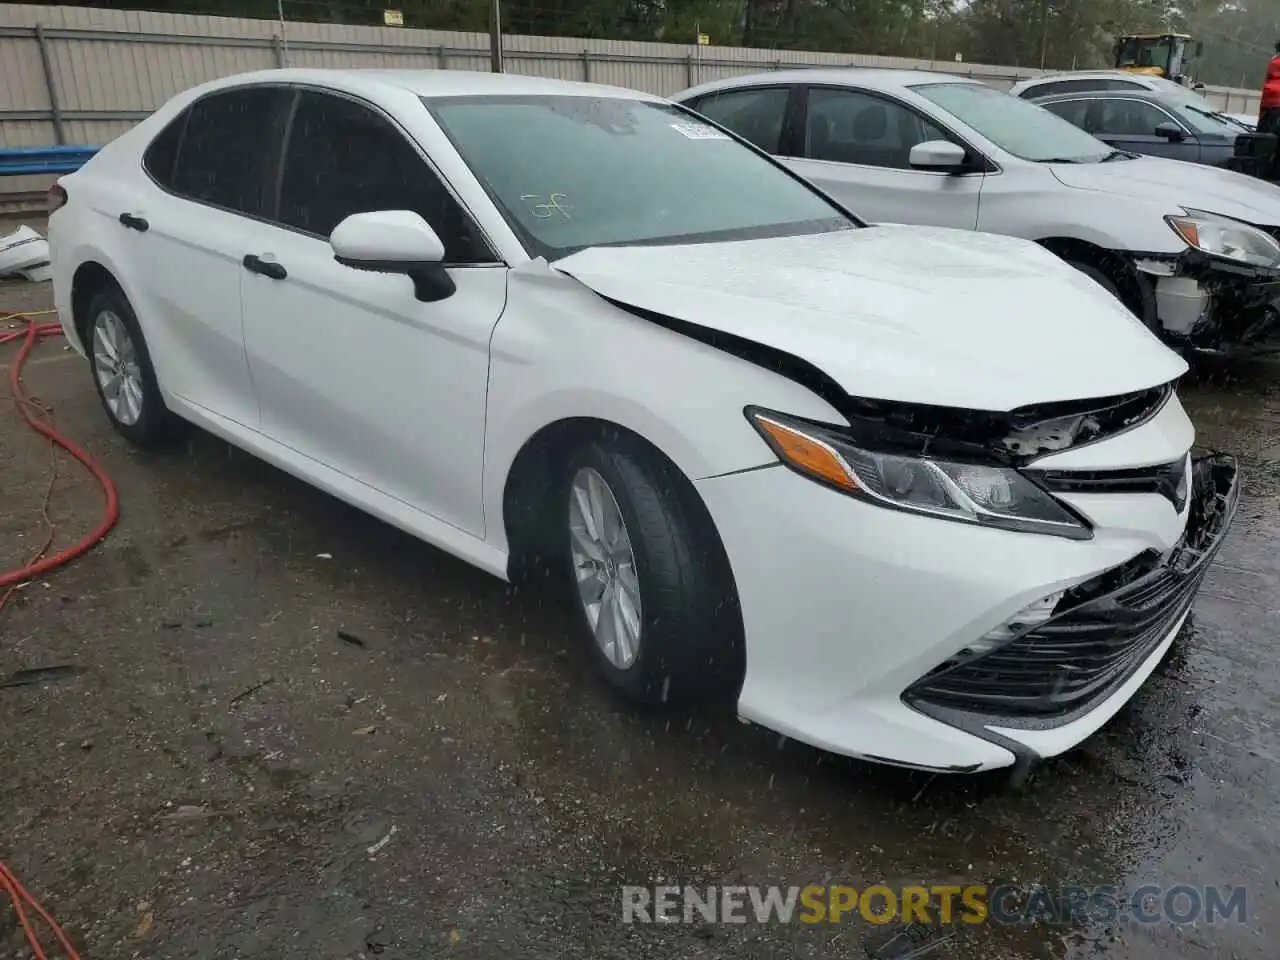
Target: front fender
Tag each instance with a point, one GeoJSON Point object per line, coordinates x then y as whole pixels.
{"type": "Point", "coordinates": [561, 352]}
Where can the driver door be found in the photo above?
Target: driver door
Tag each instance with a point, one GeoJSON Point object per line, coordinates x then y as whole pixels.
{"type": "Point", "coordinates": [857, 145]}
{"type": "Point", "coordinates": [351, 369]}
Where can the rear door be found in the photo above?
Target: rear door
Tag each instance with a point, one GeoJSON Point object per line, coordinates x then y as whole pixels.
{"type": "Point", "coordinates": [185, 238]}
{"type": "Point", "coordinates": [856, 144]}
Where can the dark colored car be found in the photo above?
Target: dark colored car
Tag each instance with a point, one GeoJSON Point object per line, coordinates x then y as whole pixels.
{"type": "Point", "coordinates": [1149, 123]}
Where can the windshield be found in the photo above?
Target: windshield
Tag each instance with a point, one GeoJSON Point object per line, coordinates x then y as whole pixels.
{"type": "Point", "coordinates": [1176, 91]}
{"type": "Point", "coordinates": [1204, 119]}
{"type": "Point", "coordinates": [575, 172]}
{"type": "Point", "coordinates": [1018, 126]}
{"type": "Point", "coordinates": [1145, 52]}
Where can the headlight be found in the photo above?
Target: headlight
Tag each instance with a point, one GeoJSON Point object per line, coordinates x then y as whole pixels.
{"type": "Point", "coordinates": [994, 496]}
{"type": "Point", "coordinates": [1224, 237]}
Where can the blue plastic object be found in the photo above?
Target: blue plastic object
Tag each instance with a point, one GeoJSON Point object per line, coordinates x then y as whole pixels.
{"type": "Point", "coordinates": [16, 161]}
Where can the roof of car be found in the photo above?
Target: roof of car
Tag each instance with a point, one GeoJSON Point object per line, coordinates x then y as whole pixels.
{"type": "Point", "coordinates": [878, 77]}
{"type": "Point", "coordinates": [433, 83]}
{"type": "Point", "coordinates": [1157, 96]}
{"type": "Point", "coordinates": [1136, 78]}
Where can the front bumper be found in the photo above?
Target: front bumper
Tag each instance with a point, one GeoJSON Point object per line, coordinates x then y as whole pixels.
{"type": "Point", "coordinates": [1104, 632]}
{"type": "Point", "coordinates": [853, 615]}
{"type": "Point", "coordinates": [1207, 303]}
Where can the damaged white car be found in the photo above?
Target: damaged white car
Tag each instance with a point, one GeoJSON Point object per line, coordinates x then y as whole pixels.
{"type": "Point", "coordinates": [529, 320]}
{"type": "Point", "coordinates": [1194, 251]}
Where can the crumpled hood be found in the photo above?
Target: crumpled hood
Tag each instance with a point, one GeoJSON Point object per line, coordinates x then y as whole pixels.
{"type": "Point", "coordinates": [912, 314]}
{"type": "Point", "coordinates": [1176, 183]}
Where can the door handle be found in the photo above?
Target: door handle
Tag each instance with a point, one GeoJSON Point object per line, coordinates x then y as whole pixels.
{"type": "Point", "coordinates": [267, 268]}
{"type": "Point", "coordinates": [134, 223]}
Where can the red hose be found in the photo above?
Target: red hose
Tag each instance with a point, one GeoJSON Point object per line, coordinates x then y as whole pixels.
{"type": "Point", "coordinates": [21, 899]}
{"type": "Point", "coordinates": [34, 417]}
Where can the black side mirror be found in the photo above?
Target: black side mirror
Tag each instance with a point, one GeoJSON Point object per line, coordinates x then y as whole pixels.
{"type": "Point", "coordinates": [1170, 131]}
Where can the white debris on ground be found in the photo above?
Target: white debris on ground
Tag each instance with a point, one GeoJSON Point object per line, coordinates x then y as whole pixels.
{"type": "Point", "coordinates": [24, 253]}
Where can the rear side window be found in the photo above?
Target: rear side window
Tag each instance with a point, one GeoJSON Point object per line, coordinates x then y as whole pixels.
{"type": "Point", "coordinates": [162, 154]}
{"type": "Point", "coordinates": [1041, 90]}
{"type": "Point", "coordinates": [227, 148]}
{"type": "Point", "coordinates": [342, 158]}
{"type": "Point", "coordinates": [1073, 111]}
{"type": "Point", "coordinates": [756, 115]}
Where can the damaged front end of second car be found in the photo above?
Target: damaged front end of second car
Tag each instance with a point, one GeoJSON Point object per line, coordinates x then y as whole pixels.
{"type": "Point", "coordinates": [1220, 295]}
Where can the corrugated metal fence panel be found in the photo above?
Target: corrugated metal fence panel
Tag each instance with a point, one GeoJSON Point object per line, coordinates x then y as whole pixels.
{"type": "Point", "coordinates": [155, 55]}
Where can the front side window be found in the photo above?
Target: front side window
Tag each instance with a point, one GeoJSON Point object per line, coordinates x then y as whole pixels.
{"type": "Point", "coordinates": [849, 126]}
{"type": "Point", "coordinates": [756, 114]}
{"type": "Point", "coordinates": [574, 172]}
{"type": "Point", "coordinates": [226, 148]}
{"type": "Point", "coordinates": [342, 158]}
{"type": "Point", "coordinates": [1127, 118]}
{"type": "Point", "coordinates": [1016, 126]}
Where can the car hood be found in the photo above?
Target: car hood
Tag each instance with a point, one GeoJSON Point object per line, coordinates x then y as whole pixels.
{"type": "Point", "coordinates": [913, 314]}
{"type": "Point", "coordinates": [1179, 184]}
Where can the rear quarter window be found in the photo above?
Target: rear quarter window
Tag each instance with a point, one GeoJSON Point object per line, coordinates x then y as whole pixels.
{"type": "Point", "coordinates": [162, 154]}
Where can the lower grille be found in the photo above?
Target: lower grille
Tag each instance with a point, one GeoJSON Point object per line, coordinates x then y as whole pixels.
{"type": "Point", "coordinates": [1101, 632]}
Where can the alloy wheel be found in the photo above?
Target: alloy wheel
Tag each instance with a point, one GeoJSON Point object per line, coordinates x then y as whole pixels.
{"type": "Point", "coordinates": [118, 371]}
{"type": "Point", "coordinates": [604, 565]}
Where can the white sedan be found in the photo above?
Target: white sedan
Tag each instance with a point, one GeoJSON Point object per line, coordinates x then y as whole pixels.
{"type": "Point", "coordinates": [835, 473]}
{"type": "Point", "coordinates": [1193, 251]}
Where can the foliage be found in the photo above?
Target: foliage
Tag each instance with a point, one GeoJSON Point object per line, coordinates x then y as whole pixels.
{"type": "Point", "coordinates": [1238, 37]}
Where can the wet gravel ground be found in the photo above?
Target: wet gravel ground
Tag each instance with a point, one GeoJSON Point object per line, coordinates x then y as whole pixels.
{"type": "Point", "coordinates": [223, 775]}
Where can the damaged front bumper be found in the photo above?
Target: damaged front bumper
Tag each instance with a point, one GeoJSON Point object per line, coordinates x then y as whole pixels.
{"type": "Point", "coordinates": [1211, 304]}
{"type": "Point", "coordinates": [1036, 694]}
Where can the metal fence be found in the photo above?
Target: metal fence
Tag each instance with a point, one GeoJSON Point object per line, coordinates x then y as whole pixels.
{"type": "Point", "coordinates": [81, 75]}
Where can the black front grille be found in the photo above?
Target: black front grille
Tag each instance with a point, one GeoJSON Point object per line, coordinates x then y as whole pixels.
{"type": "Point", "coordinates": [1101, 631]}
{"type": "Point", "coordinates": [1170, 480]}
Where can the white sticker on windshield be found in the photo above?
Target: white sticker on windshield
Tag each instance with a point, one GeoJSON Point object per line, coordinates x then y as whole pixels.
{"type": "Point", "coordinates": [696, 131]}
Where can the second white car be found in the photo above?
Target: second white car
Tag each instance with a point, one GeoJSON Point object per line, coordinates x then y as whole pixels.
{"type": "Point", "coordinates": [1193, 251]}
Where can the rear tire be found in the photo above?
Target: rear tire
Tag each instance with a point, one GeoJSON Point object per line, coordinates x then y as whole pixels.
{"type": "Point", "coordinates": [123, 373]}
{"type": "Point", "coordinates": [649, 577]}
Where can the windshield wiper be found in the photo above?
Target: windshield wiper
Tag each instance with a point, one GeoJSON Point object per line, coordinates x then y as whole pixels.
{"type": "Point", "coordinates": [1118, 155]}
{"type": "Point", "coordinates": [1060, 160]}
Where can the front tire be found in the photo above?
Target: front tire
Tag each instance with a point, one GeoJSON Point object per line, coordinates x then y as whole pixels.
{"type": "Point", "coordinates": [649, 577]}
{"type": "Point", "coordinates": [1099, 277]}
{"type": "Point", "coordinates": [123, 373]}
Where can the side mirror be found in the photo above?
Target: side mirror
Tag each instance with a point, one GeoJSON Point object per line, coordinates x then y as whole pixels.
{"type": "Point", "coordinates": [394, 241]}
{"type": "Point", "coordinates": [941, 156]}
{"type": "Point", "coordinates": [1170, 131]}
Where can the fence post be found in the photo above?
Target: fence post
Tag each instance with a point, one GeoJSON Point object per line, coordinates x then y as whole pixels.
{"type": "Point", "coordinates": [278, 47]}
{"type": "Point", "coordinates": [51, 86]}
{"type": "Point", "coordinates": [688, 70]}
{"type": "Point", "coordinates": [586, 65]}
{"type": "Point", "coordinates": [442, 58]}
{"type": "Point", "coordinates": [777, 64]}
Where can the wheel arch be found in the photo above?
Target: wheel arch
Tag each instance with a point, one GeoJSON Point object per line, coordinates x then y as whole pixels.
{"type": "Point", "coordinates": [90, 278]}
{"type": "Point", "coordinates": [534, 479]}
{"type": "Point", "coordinates": [1117, 265]}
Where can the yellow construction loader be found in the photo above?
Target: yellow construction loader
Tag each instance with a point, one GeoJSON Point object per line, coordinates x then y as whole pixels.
{"type": "Point", "coordinates": [1157, 54]}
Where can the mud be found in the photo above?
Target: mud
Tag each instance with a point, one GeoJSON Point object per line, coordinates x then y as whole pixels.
{"type": "Point", "coordinates": [289, 731]}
